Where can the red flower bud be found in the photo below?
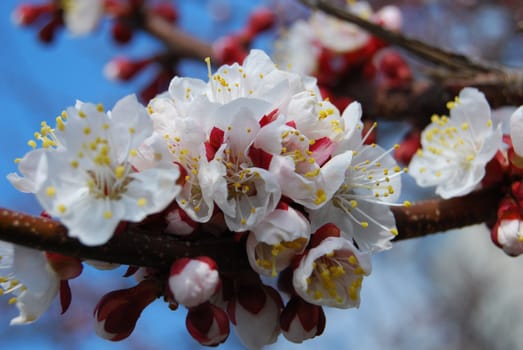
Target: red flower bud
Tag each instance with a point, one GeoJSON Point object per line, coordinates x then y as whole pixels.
{"type": "Point", "coordinates": [117, 312]}
{"type": "Point", "coordinates": [122, 68]}
{"type": "Point", "coordinates": [27, 14]}
{"type": "Point", "coordinates": [260, 20]}
{"type": "Point", "coordinates": [208, 324]}
{"type": "Point", "coordinates": [229, 50]}
{"type": "Point", "coordinates": [122, 33]}
{"type": "Point", "coordinates": [408, 147]}
{"type": "Point", "coordinates": [300, 320]}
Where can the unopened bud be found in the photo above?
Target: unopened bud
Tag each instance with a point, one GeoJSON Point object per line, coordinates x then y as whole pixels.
{"type": "Point", "coordinates": [208, 324]}
{"type": "Point", "coordinates": [193, 281]}
{"type": "Point", "coordinates": [408, 147]}
{"type": "Point", "coordinates": [122, 33]}
{"type": "Point", "coordinates": [27, 14]}
{"type": "Point", "coordinates": [300, 320]}
{"type": "Point", "coordinates": [260, 20]}
{"type": "Point", "coordinates": [228, 50]}
{"type": "Point", "coordinates": [117, 312]}
{"type": "Point", "coordinates": [121, 68]}
{"type": "Point", "coordinates": [255, 314]}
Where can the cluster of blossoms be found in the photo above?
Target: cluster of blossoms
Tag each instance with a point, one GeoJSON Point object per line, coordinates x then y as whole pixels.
{"type": "Point", "coordinates": [470, 149]}
{"type": "Point", "coordinates": [254, 153]}
{"type": "Point", "coordinates": [333, 50]}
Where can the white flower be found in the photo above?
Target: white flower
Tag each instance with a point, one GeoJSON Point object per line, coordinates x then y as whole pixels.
{"type": "Point", "coordinates": [193, 281]}
{"type": "Point", "coordinates": [331, 274]}
{"type": "Point", "coordinates": [259, 78]}
{"type": "Point", "coordinates": [26, 274]}
{"type": "Point", "coordinates": [275, 241]}
{"type": "Point", "coordinates": [457, 148]}
{"type": "Point", "coordinates": [300, 48]}
{"type": "Point", "coordinates": [361, 205]}
{"type": "Point", "coordinates": [191, 115]}
{"type": "Point", "coordinates": [371, 183]}
{"type": "Point", "coordinates": [242, 189]}
{"type": "Point", "coordinates": [301, 165]}
{"type": "Point", "coordinates": [516, 131]}
{"type": "Point", "coordinates": [338, 35]}
{"type": "Point", "coordinates": [91, 184]}
{"type": "Point", "coordinates": [82, 16]}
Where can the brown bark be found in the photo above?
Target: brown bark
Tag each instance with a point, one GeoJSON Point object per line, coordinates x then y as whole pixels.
{"type": "Point", "coordinates": [136, 246]}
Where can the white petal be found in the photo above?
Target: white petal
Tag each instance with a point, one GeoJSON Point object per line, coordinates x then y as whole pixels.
{"type": "Point", "coordinates": [516, 131]}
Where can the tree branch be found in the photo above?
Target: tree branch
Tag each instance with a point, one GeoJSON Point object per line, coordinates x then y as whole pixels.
{"type": "Point", "coordinates": [178, 42]}
{"type": "Point", "coordinates": [427, 52]}
{"type": "Point", "coordinates": [139, 247]}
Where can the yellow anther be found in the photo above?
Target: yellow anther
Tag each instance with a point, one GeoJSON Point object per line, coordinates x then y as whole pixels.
{"type": "Point", "coordinates": [134, 153]}
{"type": "Point", "coordinates": [407, 204]}
{"type": "Point", "coordinates": [353, 203]}
{"type": "Point", "coordinates": [50, 191]}
{"type": "Point", "coordinates": [100, 107]}
{"type": "Point", "coordinates": [394, 231]}
{"type": "Point", "coordinates": [82, 114]}
{"type": "Point", "coordinates": [87, 130]}
{"type": "Point", "coordinates": [12, 301]}
{"type": "Point", "coordinates": [364, 224]}
{"type": "Point", "coordinates": [32, 143]}
{"type": "Point", "coordinates": [352, 260]}
{"type": "Point", "coordinates": [321, 197]}
{"type": "Point", "coordinates": [62, 208]}
{"type": "Point", "coordinates": [108, 215]}
{"type": "Point", "coordinates": [132, 130]}
{"type": "Point", "coordinates": [60, 124]}
{"type": "Point", "coordinates": [141, 202]}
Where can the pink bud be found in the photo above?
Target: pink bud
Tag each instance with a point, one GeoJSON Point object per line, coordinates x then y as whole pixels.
{"type": "Point", "coordinates": [121, 68]}
{"type": "Point", "coordinates": [255, 314]}
{"type": "Point", "coordinates": [229, 50]}
{"type": "Point", "coordinates": [260, 20]}
{"type": "Point", "coordinates": [193, 281]}
{"type": "Point", "coordinates": [300, 320]}
{"type": "Point", "coordinates": [117, 312]}
{"type": "Point", "coordinates": [27, 14]}
{"type": "Point", "coordinates": [208, 324]}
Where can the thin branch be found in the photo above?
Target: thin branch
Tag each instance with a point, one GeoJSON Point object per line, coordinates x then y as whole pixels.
{"type": "Point", "coordinates": [137, 246]}
{"type": "Point", "coordinates": [180, 43]}
{"type": "Point", "coordinates": [419, 48]}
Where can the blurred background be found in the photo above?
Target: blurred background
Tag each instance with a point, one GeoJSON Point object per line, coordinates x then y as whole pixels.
{"type": "Point", "coordinates": [448, 291]}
